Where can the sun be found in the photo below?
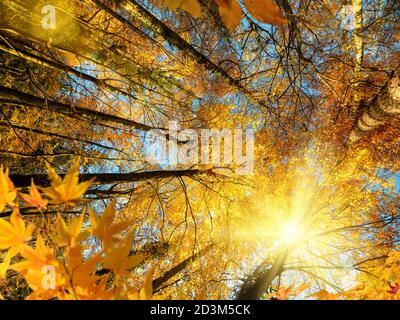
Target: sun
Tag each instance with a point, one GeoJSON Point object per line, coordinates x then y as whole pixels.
{"type": "Point", "coordinates": [292, 232]}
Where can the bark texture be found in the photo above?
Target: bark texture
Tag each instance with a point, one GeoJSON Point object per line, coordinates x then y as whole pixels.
{"type": "Point", "coordinates": [15, 97]}
{"type": "Point", "coordinates": [383, 107]}
{"type": "Point", "coordinates": [110, 178]}
{"type": "Point", "coordinates": [359, 51]}
{"type": "Point", "coordinates": [259, 282]}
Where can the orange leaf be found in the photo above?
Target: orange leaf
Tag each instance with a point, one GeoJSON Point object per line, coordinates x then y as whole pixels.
{"type": "Point", "coordinates": [68, 190]}
{"type": "Point", "coordinates": [119, 260]}
{"type": "Point", "coordinates": [146, 293]}
{"type": "Point", "coordinates": [7, 190]}
{"type": "Point", "coordinates": [14, 234]}
{"type": "Point", "coordinates": [265, 11]}
{"type": "Point", "coordinates": [106, 227]}
{"type": "Point", "coordinates": [230, 12]}
{"type": "Point", "coordinates": [70, 235]}
{"type": "Point", "coordinates": [36, 259]}
{"type": "Point", "coordinates": [34, 198]}
{"type": "Point", "coordinates": [323, 295]}
{"type": "Point", "coordinates": [191, 6]}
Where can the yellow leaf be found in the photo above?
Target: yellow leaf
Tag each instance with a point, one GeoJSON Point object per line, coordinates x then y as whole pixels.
{"type": "Point", "coordinates": [323, 295]}
{"type": "Point", "coordinates": [82, 271]}
{"type": "Point", "coordinates": [36, 259]}
{"type": "Point", "coordinates": [104, 227]}
{"type": "Point", "coordinates": [118, 258]}
{"type": "Point", "coordinates": [72, 235]}
{"type": "Point", "coordinates": [14, 234]}
{"type": "Point", "coordinates": [191, 6]}
{"type": "Point", "coordinates": [34, 198]}
{"type": "Point", "coordinates": [66, 191]}
{"type": "Point", "coordinates": [265, 11]}
{"type": "Point", "coordinates": [7, 190]}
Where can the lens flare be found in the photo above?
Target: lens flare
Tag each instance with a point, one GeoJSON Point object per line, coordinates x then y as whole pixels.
{"type": "Point", "coordinates": [292, 232]}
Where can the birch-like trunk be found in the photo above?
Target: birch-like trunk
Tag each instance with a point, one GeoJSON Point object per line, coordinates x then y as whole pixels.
{"type": "Point", "coordinates": [359, 51]}
{"type": "Point", "coordinates": [385, 106]}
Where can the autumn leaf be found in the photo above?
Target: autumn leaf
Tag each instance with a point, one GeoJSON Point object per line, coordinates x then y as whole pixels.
{"type": "Point", "coordinates": [119, 260]}
{"type": "Point", "coordinates": [283, 293]}
{"type": "Point", "coordinates": [191, 6]}
{"type": "Point", "coordinates": [34, 198]}
{"type": "Point", "coordinates": [265, 11]}
{"type": "Point", "coordinates": [323, 295]}
{"type": "Point", "coordinates": [82, 270]}
{"type": "Point", "coordinates": [201, 294]}
{"type": "Point", "coordinates": [70, 235]}
{"type": "Point", "coordinates": [35, 259]}
{"type": "Point", "coordinates": [8, 192]}
{"type": "Point", "coordinates": [14, 234]}
{"type": "Point", "coordinates": [105, 227]}
{"type": "Point", "coordinates": [230, 12]}
{"type": "Point", "coordinates": [66, 191]}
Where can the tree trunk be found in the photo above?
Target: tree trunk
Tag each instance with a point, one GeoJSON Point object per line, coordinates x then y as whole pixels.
{"type": "Point", "coordinates": [259, 282]}
{"type": "Point", "coordinates": [173, 38]}
{"type": "Point", "coordinates": [383, 107]}
{"type": "Point", "coordinates": [43, 61]}
{"type": "Point", "coordinates": [21, 181]}
{"type": "Point", "coordinates": [12, 96]}
{"type": "Point", "coordinates": [157, 283]}
{"type": "Point", "coordinates": [358, 40]}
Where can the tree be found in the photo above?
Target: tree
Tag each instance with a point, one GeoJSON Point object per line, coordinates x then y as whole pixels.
{"type": "Point", "coordinates": [86, 87]}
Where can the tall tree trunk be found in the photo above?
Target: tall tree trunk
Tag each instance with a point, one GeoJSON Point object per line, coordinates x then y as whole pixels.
{"type": "Point", "coordinates": [259, 282]}
{"type": "Point", "coordinates": [111, 178]}
{"type": "Point", "coordinates": [358, 40]}
{"type": "Point", "coordinates": [12, 96]}
{"type": "Point", "coordinates": [173, 38]}
{"type": "Point", "coordinates": [58, 135]}
{"type": "Point", "coordinates": [159, 282]}
{"type": "Point", "coordinates": [44, 61]}
{"type": "Point", "coordinates": [384, 106]}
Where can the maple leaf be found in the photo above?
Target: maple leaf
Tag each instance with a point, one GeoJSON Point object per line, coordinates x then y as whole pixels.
{"type": "Point", "coordinates": [14, 234]}
{"type": "Point", "coordinates": [105, 227]}
{"type": "Point", "coordinates": [191, 6]}
{"type": "Point", "coordinates": [66, 191]}
{"type": "Point", "coordinates": [118, 259]}
{"type": "Point", "coordinates": [36, 259]}
{"type": "Point", "coordinates": [8, 192]}
{"type": "Point", "coordinates": [83, 271]}
{"type": "Point", "coordinates": [70, 235]}
{"type": "Point", "coordinates": [283, 293]}
{"type": "Point", "coordinates": [265, 11]}
{"type": "Point", "coordinates": [34, 198]}
{"type": "Point", "coordinates": [230, 12]}
{"type": "Point", "coordinates": [96, 290]}
{"type": "Point", "coordinates": [323, 295]}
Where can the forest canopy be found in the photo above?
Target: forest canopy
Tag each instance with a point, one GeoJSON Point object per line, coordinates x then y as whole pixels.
{"type": "Point", "coordinates": [199, 149]}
